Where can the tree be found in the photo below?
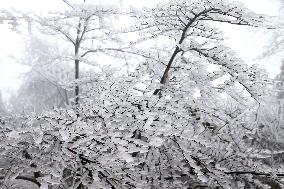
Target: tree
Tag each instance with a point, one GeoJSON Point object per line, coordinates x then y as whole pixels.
{"type": "Point", "coordinates": [43, 86]}
{"type": "Point", "coordinates": [194, 36]}
{"type": "Point", "coordinates": [275, 44]}
{"type": "Point", "coordinates": [121, 136]}
{"type": "Point", "coordinates": [85, 26]}
{"type": "Point", "coordinates": [2, 106]}
{"type": "Point", "coordinates": [279, 82]}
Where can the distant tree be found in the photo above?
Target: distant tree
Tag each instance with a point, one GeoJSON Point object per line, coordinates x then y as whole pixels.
{"type": "Point", "coordinates": [279, 80]}
{"type": "Point", "coordinates": [43, 85]}
{"type": "Point", "coordinates": [275, 45]}
{"type": "Point", "coordinates": [85, 26]}
{"type": "Point", "coordinates": [88, 30]}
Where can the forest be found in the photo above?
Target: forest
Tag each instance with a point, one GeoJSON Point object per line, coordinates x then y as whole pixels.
{"type": "Point", "coordinates": [146, 98]}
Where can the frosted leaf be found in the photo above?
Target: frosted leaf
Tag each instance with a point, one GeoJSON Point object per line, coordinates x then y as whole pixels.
{"type": "Point", "coordinates": [149, 121]}
{"type": "Point", "coordinates": [51, 180]}
{"type": "Point", "coordinates": [203, 178]}
{"type": "Point", "coordinates": [156, 141]}
{"type": "Point", "coordinates": [38, 138]}
{"type": "Point", "coordinates": [218, 166]}
{"type": "Point", "coordinates": [44, 185]}
{"type": "Point", "coordinates": [64, 134]}
{"type": "Point", "coordinates": [127, 157]}
{"type": "Point", "coordinates": [14, 134]}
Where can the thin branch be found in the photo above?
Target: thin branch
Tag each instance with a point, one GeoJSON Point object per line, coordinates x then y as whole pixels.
{"type": "Point", "coordinates": [177, 49]}
{"type": "Point", "coordinates": [26, 178]}
{"type": "Point", "coordinates": [69, 4]}
{"type": "Point", "coordinates": [113, 49]}
{"type": "Point", "coordinates": [84, 30]}
{"type": "Point", "coordinates": [67, 35]}
{"type": "Point", "coordinates": [217, 60]}
{"type": "Point", "coordinates": [253, 173]}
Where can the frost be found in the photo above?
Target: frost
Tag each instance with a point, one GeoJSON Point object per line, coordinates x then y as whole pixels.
{"type": "Point", "coordinates": [149, 121]}
{"type": "Point", "coordinates": [128, 158]}
{"type": "Point", "coordinates": [44, 185]}
{"type": "Point", "coordinates": [64, 134]}
{"type": "Point", "coordinates": [14, 134]}
{"type": "Point", "coordinates": [156, 141]}
{"type": "Point", "coordinates": [203, 178]}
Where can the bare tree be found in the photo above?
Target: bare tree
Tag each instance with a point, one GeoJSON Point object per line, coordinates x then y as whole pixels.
{"type": "Point", "coordinates": [85, 26]}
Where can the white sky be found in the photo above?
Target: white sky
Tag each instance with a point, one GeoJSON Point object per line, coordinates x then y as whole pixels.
{"type": "Point", "coordinates": [246, 41]}
{"type": "Point", "coordinates": [250, 42]}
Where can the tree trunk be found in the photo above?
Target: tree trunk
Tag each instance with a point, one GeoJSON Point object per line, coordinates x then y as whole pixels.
{"type": "Point", "coordinates": [76, 74]}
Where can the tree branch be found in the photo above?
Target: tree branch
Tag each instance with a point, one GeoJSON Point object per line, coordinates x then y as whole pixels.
{"type": "Point", "coordinates": [26, 178]}
{"type": "Point", "coordinates": [67, 35]}
{"type": "Point", "coordinates": [113, 49]}
{"type": "Point", "coordinates": [177, 49]}
{"type": "Point", "coordinates": [69, 4]}
{"type": "Point", "coordinates": [252, 173]}
{"type": "Point", "coordinates": [217, 60]}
